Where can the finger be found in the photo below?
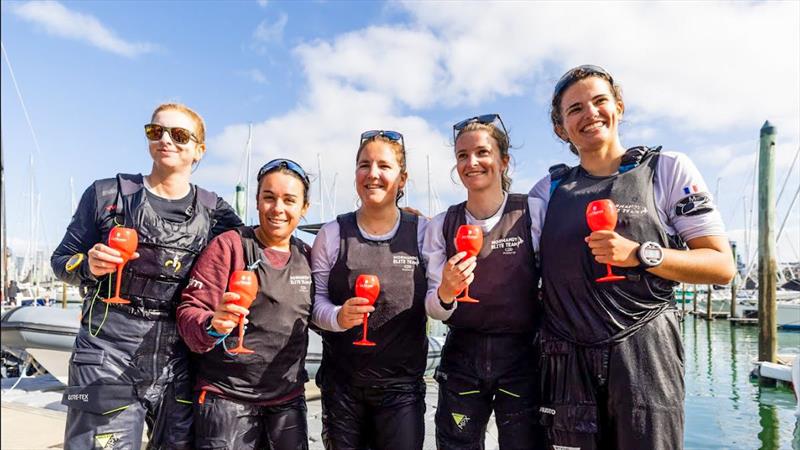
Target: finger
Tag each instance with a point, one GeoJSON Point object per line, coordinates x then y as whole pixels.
{"type": "Point", "coordinates": [233, 308]}
{"type": "Point", "coordinates": [356, 301]}
{"type": "Point", "coordinates": [469, 279]}
{"type": "Point", "coordinates": [360, 310]}
{"type": "Point", "coordinates": [102, 248]}
{"type": "Point", "coordinates": [466, 263]}
{"type": "Point", "coordinates": [134, 256]}
{"type": "Point", "coordinates": [456, 258]}
{"type": "Point", "coordinates": [230, 297]}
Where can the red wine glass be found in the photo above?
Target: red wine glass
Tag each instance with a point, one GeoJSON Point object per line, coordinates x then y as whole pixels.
{"type": "Point", "coordinates": [368, 287]}
{"type": "Point", "coordinates": [469, 238]}
{"type": "Point", "coordinates": [125, 241]}
{"type": "Point", "coordinates": [245, 284]}
{"type": "Point", "coordinates": [602, 215]}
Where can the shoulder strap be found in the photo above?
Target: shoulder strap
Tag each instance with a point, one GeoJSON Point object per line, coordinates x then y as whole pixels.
{"type": "Point", "coordinates": [207, 199]}
{"type": "Point", "coordinates": [634, 156]}
{"type": "Point", "coordinates": [557, 173]}
{"type": "Point", "coordinates": [249, 245]}
{"type": "Point", "coordinates": [109, 193]}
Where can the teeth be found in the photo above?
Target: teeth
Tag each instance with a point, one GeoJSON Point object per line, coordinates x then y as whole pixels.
{"type": "Point", "coordinates": [592, 126]}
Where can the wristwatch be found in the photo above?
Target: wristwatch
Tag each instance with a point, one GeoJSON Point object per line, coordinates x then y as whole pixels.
{"type": "Point", "coordinates": [73, 262]}
{"type": "Point", "coordinates": [650, 254]}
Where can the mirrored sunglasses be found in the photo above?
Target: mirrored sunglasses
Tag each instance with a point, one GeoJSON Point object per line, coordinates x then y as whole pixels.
{"type": "Point", "coordinates": [179, 135]}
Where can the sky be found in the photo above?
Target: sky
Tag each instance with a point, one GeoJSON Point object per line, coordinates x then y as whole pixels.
{"type": "Point", "coordinates": [697, 77]}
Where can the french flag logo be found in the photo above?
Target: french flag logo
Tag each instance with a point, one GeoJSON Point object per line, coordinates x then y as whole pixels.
{"type": "Point", "coordinates": [690, 189]}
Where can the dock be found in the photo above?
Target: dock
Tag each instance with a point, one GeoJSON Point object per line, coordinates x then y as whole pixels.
{"type": "Point", "coordinates": [33, 417]}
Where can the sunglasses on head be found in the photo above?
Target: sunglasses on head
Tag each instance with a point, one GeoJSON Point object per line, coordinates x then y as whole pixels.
{"type": "Point", "coordinates": [179, 135]}
{"type": "Point", "coordinates": [286, 164]}
{"type": "Point", "coordinates": [486, 119]}
{"type": "Point", "coordinates": [388, 134]}
{"type": "Point", "coordinates": [570, 77]}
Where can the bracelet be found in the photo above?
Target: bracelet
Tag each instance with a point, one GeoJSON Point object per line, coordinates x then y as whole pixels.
{"type": "Point", "coordinates": [214, 333]}
{"type": "Point", "coordinates": [446, 306]}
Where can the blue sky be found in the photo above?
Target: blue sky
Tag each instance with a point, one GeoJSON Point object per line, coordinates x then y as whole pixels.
{"type": "Point", "coordinates": [698, 77]}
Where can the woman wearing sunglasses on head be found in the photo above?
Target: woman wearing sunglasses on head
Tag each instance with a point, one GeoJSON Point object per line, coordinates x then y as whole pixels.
{"type": "Point", "coordinates": [253, 400]}
{"type": "Point", "coordinates": [373, 396]}
{"type": "Point", "coordinates": [129, 365]}
{"type": "Point", "coordinates": [488, 361]}
{"type": "Point", "coordinates": [612, 357]}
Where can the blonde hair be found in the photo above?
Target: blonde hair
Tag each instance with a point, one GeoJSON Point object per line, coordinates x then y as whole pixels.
{"type": "Point", "coordinates": [503, 145]}
{"type": "Point", "coordinates": [399, 153]}
{"type": "Point", "coordinates": [200, 134]}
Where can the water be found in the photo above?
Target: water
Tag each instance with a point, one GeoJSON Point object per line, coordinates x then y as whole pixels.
{"type": "Point", "coordinates": [724, 408]}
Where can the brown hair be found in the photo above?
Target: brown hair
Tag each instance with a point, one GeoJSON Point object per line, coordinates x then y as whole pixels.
{"type": "Point", "coordinates": [399, 153]}
{"type": "Point", "coordinates": [568, 79]}
{"type": "Point", "coordinates": [200, 134]}
{"type": "Point", "coordinates": [503, 145]}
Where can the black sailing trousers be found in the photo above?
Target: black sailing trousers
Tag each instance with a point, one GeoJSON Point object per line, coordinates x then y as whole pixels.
{"type": "Point", "coordinates": [126, 371]}
{"type": "Point", "coordinates": [480, 373]}
{"type": "Point", "coordinates": [388, 417]}
{"type": "Point", "coordinates": [225, 424]}
{"type": "Point", "coordinates": [621, 396]}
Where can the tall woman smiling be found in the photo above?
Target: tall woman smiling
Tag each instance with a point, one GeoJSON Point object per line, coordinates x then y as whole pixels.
{"type": "Point", "coordinates": [129, 365]}
{"type": "Point", "coordinates": [612, 357]}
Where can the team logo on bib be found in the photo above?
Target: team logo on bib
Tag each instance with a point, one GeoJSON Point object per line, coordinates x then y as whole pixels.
{"type": "Point", "coordinates": [507, 245]}
{"type": "Point", "coordinates": [631, 209]}
{"type": "Point", "coordinates": [407, 263]}
{"type": "Point", "coordinates": [303, 282]}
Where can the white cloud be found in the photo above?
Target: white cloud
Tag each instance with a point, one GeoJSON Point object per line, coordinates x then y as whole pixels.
{"type": "Point", "coordinates": [266, 32]}
{"type": "Point", "coordinates": [255, 75]}
{"type": "Point", "coordinates": [706, 66]}
{"type": "Point", "coordinates": [262, 3]}
{"type": "Point", "coordinates": [696, 67]}
{"type": "Point", "coordinates": [58, 20]}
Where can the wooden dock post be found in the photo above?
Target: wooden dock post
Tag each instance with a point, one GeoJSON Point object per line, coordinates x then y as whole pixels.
{"type": "Point", "coordinates": [64, 295]}
{"type": "Point", "coordinates": [709, 309]}
{"type": "Point", "coordinates": [683, 298]}
{"type": "Point", "coordinates": [733, 281]}
{"type": "Point", "coordinates": [694, 299]}
{"type": "Point", "coordinates": [767, 306]}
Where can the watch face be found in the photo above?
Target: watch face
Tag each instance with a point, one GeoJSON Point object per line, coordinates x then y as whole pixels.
{"type": "Point", "coordinates": [74, 262]}
{"type": "Point", "coordinates": [651, 253]}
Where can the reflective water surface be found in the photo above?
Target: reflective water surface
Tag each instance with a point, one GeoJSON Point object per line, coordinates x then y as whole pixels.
{"type": "Point", "coordinates": [724, 408]}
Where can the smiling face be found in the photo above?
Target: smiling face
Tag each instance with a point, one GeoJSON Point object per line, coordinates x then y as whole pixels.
{"type": "Point", "coordinates": [165, 152]}
{"type": "Point", "coordinates": [379, 176]}
{"type": "Point", "coordinates": [478, 161]}
{"type": "Point", "coordinates": [590, 115]}
{"type": "Point", "coordinates": [281, 205]}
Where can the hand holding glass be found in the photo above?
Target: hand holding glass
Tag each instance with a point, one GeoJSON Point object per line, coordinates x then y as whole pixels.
{"type": "Point", "coordinates": [469, 238]}
{"type": "Point", "coordinates": [244, 283]}
{"type": "Point", "coordinates": [602, 215]}
{"type": "Point", "coordinates": [125, 241]}
{"type": "Point", "coordinates": [368, 287]}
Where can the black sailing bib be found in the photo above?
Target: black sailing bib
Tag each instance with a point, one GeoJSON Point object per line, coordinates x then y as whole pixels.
{"type": "Point", "coordinates": [398, 324]}
{"type": "Point", "coordinates": [167, 250]}
{"type": "Point", "coordinates": [278, 331]}
{"type": "Point", "coordinates": [578, 308]}
{"type": "Point", "coordinates": [506, 276]}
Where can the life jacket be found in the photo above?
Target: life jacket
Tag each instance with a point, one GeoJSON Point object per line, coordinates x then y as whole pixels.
{"type": "Point", "coordinates": [167, 250]}
{"type": "Point", "coordinates": [578, 308]}
{"type": "Point", "coordinates": [506, 275]}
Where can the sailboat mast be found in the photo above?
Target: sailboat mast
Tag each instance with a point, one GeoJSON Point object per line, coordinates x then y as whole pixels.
{"type": "Point", "coordinates": [4, 233]}
{"type": "Point", "coordinates": [249, 150]}
{"type": "Point", "coordinates": [321, 189]}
